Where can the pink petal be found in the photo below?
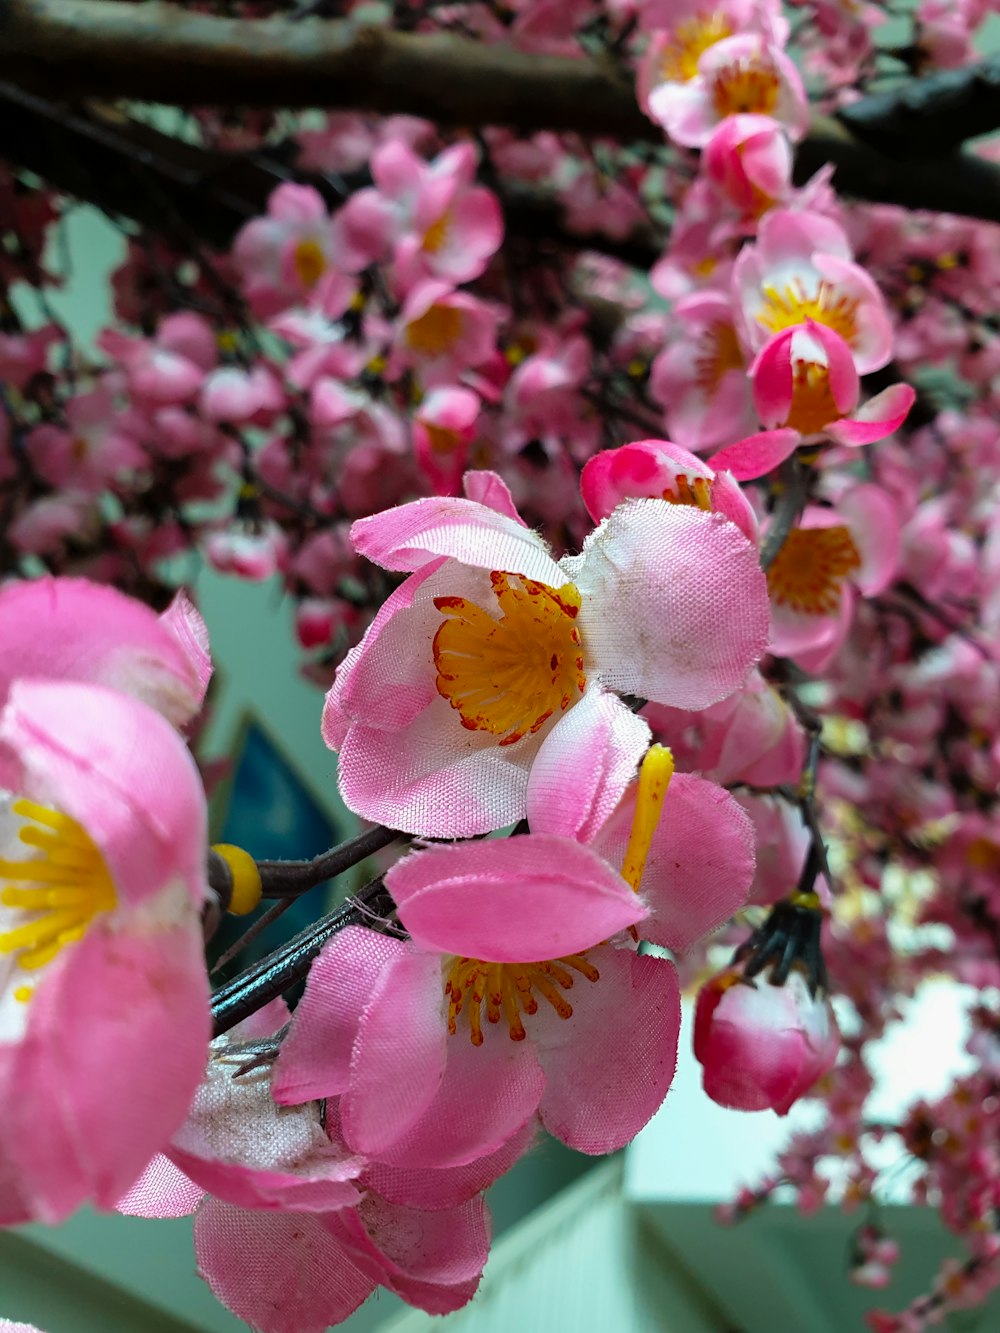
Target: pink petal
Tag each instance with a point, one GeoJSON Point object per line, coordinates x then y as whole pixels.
{"type": "Point", "coordinates": [844, 384]}
{"type": "Point", "coordinates": [584, 766]}
{"type": "Point", "coordinates": [488, 1095]}
{"type": "Point", "coordinates": [163, 1190]}
{"type": "Point", "coordinates": [874, 522]}
{"type": "Point", "coordinates": [447, 1187]}
{"type": "Point", "coordinates": [116, 1044]}
{"type": "Point", "coordinates": [315, 1058]}
{"type": "Point", "coordinates": [117, 768]}
{"type": "Point", "coordinates": [877, 418]}
{"type": "Point", "coordinates": [435, 777]}
{"type": "Point", "coordinates": [408, 536]}
{"type": "Point", "coordinates": [281, 1272]}
{"type": "Point", "coordinates": [184, 621]}
{"type": "Point", "coordinates": [675, 605]}
{"type": "Point", "coordinates": [490, 489]}
{"type": "Point", "coordinates": [757, 454]}
{"type": "Point", "coordinates": [75, 630]}
{"type": "Point", "coordinates": [609, 1066]}
{"type": "Point", "coordinates": [518, 899]}
{"type": "Point", "coordinates": [399, 1053]}
{"type": "Point", "coordinates": [773, 379]}
{"type": "Point", "coordinates": [701, 860]}
{"type": "Point", "coordinates": [394, 1243]}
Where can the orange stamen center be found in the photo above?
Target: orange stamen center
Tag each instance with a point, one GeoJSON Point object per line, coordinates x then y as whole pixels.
{"type": "Point", "coordinates": [747, 85]}
{"type": "Point", "coordinates": [309, 262]}
{"type": "Point", "coordinates": [437, 233]}
{"type": "Point", "coordinates": [436, 331]}
{"type": "Point", "coordinates": [719, 352]}
{"type": "Point", "coordinates": [441, 439]}
{"type": "Point", "coordinates": [507, 990]}
{"type": "Point", "coordinates": [784, 307]}
{"type": "Point", "coordinates": [812, 405]}
{"type": "Point", "coordinates": [508, 676]}
{"type": "Point", "coordinates": [690, 39]}
{"type": "Point", "coordinates": [808, 571]}
{"type": "Point", "coordinates": [983, 853]}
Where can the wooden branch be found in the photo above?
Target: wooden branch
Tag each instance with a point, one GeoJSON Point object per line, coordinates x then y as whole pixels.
{"type": "Point", "coordinates": [68, 49]}
{"type": "Point", "coordinates": [157, 52]}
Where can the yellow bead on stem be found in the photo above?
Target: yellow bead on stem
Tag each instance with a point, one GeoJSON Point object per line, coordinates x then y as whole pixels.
{"type": "Point", "coordinates": [247, 889]}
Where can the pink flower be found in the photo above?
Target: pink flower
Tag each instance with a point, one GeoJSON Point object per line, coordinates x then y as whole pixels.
{"type": "Point", "coordinates": [743, 74]}
{"type": "Point", "coordinates": [762, 1045]}
{"type": "Point", "coordinates": [322, 1227]}
{"type": "Point", "coordinates": [516, 991]}
{"type": "Point", "coordinates": [439, 712]}
{"type": "Point", "coordinates": [87, 453]}
{"type": "Point", "coordinates": [283, 256]}
{"type": "Point", "coordinates": [70, 629]}
{"type": "Point", "coordinates": [800, 269]}
{"type": "Point", "coordinates": [813, 578]}
{"type": "Point", "coordinates": [169, 368]}
{"type": "Point", "coordinates": [749, 161]}
{"type": "Point", "coordinates": [444, 426]}
{"type": "Point", "coordinates": [701, 378]}
{"type": "Point", "coordinates": [104, 1018]}
{"type": "Point", "coordinates": [442, 332]}
{"type": "Point", "coordinates": [662, 470]}
{"type": "Point", "coordinates": [428, 216]}
{"type": "Point", "coordinates": [805, 388]}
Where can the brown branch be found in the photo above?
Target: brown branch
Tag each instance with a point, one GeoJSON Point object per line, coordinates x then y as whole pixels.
{"type": "Point", "coordinates": [163, 53]}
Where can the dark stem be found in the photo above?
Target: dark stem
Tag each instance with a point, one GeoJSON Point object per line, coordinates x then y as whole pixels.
{"type": "Point", "coordinates": [272, 976]}
{"type": "Point", "coordinates": [787, 513]}
{"type": "Point", "coordinates": [288, 879]}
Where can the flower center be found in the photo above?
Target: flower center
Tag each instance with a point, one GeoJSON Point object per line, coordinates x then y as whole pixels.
{"type": "Point", "coordinates": [436, 234]}
{"type": "Point", "coordinates": [508, 989]}
{"type": "Point", "coordinates": [508, 676]}
{"type": "Point", "coordinates": [695, 491]}
{"type": "Point", "coordinates": [719, 352]}
{"type": "Point", "coordinates": [812, 405]}
{"type": "Point", "coordinates": [983, 853]}
{"type": "Point", "coordinates": [786, 306]}
{"type": "Point", "coordinates": [63, 888]}
{"type": "Point", "coordinates": [309, 262]}
{"type": "Point", "coordinates": [808, 571]}
{"type": "Point", "coordinates": [435, 331]}
{"type": "Point", "coordinates": [691, 38]}
{"type": "Point", "coordinates": [441, 439]}
{"type": "Point", "coordinates": [747, 85]}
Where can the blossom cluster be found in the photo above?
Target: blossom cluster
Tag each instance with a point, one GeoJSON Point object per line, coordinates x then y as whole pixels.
{"type": "Point", "coordinates": [645, 603]}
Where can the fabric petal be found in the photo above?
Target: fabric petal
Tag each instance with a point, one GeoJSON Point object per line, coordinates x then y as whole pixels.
{"type": "Point", "coordinates": [315, 1058]}
{"type": "Point", "coordinates": [675, 604]}
{"type": "Point", "coordinates": [507, 900]}
{"type": "Point", "coordinates": [163, 1190]}
{"type": "Point", "coordinates": [281, 1272]}
{"type": "Point", "coordinates": [757, 454]}
{"type": "Point", "coordinates": [584, 766]}
{"type": "Point", "coordinates": [399, 1054]}
{"type": "Point", "coordinates": [609, 1066]}
{"type": "Point", "coordinates": [447, 1187]}
{"type": "Point", "coordinates": [406, 537]}
{"type": "Point", "coordinates": [701, 860]}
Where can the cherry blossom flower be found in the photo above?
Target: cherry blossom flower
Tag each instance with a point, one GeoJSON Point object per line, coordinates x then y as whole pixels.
{"type": "Point", "coordinates": [104, 1018]}
{"type": "Point", "coordinates": [516, 990]}
{"type": "Point", "coordinates": [437, 730]}
{"type": "Point", "coordinates": [800, 269]}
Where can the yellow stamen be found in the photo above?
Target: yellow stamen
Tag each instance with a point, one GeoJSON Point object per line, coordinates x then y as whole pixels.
{"type": "Point", "coordinates": [65, 888]}
{"type": "Point", "coordinates": [808, 571]}
{"type": "Point", "coordinates": [785, 307]}
{"type": "Point", "coordinates": [437, 233]}
{"type": "Point", "coordinates": [23, 994]}
{"type": "Point", "coordinates": [695, 491]}
{"type": "Point", "coordinates": [507, 990]}
{"type": "Point", "coordinates": [655, 772]}
{"type": "Point", "coordinates": [719, 351]}
{"type": "Point", "coordinates": [689, 41]}
{"type": "Point", "coordinates": [509, 676]}
{"type": "Point", "coordinates": [309, 262]}
{"type": "Point", "coordinates": [245, 877]}
{"type": "Point", "coordinates": [748, 85]}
